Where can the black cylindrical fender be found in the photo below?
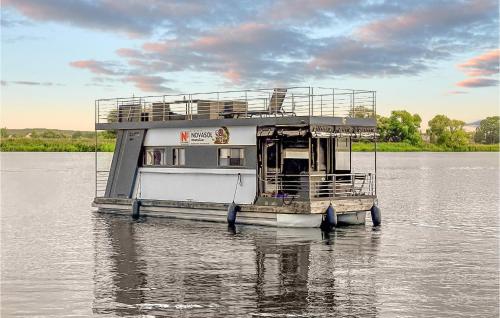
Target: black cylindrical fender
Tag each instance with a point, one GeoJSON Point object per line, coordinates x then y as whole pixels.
{"type": "Point", "coordinates": [232, 210]}
{"type": "Point", "coordinates": [376, 215]}
{"type": "Point", "coordinates": [329, 219]}
{"type": "Point", "coordinates": [136, 209]}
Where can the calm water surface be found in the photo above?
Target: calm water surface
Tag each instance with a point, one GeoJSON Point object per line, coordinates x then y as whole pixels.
{"type": "Point", "coordinates": [436, 253]}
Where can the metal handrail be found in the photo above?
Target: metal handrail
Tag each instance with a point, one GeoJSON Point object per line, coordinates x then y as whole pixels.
{"type": "Point", "coordinates": [297, 101]}
{"type": "Point", "coordinates": [317, 185]}
{"type": "Point", "coordinates": [101, 182]}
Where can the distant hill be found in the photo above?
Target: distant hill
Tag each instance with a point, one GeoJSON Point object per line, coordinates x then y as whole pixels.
{"type": "Point", "coordinates": [474, 123]}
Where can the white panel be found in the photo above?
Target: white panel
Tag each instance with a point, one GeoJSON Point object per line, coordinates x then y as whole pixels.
{"type": "Point", "coordinates": [238, 135]}
{"type": "Point", "coordinates": [200, 185]}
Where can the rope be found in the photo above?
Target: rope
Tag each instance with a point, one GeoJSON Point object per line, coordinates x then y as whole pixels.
{"type": "Point", "coordinates": [238, 181]}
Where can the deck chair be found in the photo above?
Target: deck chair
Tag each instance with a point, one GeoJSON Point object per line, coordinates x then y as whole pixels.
{"type": "Point", "coordinates": [358, 186]}
{"type": "Point", "coordinates": [276, 101]}
{"type": "Point", "coordinates": [129, 113]}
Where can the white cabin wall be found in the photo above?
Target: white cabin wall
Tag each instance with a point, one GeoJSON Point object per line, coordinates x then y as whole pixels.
{"type": "Point", "coordinates": [203, 182]}
{"type": "Point", "coordinates": [200, 185]}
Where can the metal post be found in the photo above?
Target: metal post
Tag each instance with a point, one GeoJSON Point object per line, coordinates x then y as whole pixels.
{"type": "Point", "coordinates": [309, 100]}
{"type": "Point", "coordinates": [353, 107]}
{"type": "Point", "coordinates": [321, 104]}
{"type": "Point", "coordinates": [334, 185]}
{"type": "Point", "coordinates": [95, 149]}
{"type": "Point", "coordinates": [375, 139]}
{"type": "Point", "coordinates": [312, 101]}
{"type": "Point", "coordinates": [246, 104]}
{"type": "Point", "coordinates": [218, 108]}
{"type": "Point", "coordinates": [118, 116]}
{"type": "Point", "coordinates": [333, 102]}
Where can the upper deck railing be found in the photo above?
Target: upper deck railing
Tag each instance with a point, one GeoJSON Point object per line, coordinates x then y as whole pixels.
{"type": "Point", "coordinates": [275, 102]}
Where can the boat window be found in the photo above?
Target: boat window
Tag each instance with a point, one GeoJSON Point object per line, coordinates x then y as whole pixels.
{"type": "Point", "coordinates": [179, 156]}
{"type": "Point", "coordinates": [231, 157]}
{"type": "Point", "coordinates": [154, 157]}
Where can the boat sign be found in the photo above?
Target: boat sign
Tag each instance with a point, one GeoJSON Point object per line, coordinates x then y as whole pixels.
{"type": "Point", "coordinates": [217, 136]}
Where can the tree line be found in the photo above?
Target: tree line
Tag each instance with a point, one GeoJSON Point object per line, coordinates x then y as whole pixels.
{"type": "Point", "coordinates": [402, 126]}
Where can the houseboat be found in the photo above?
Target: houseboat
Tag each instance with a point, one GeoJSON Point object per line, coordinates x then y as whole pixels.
{"type": "Point", "coordinates": [277, 157]}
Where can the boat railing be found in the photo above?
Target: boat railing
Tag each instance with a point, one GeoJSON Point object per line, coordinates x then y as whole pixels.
{"type": "Point", "coordinates": [275, 102]}
{"type": "Point", "coordinates": [101, 179]}
{"type": "Point", "coordinates": [319, 185]}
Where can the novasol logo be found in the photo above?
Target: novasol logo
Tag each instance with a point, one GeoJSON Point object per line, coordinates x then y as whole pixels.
{"type": "Point", "coordinates": [201, 134]}
{"type": "Point", "coordinates": [205, 137]}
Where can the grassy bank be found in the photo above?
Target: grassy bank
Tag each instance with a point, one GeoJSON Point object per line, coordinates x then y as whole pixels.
{"type": "Point", "coordinates": [55, 145]}
{"type": "Point", "coordinates": [425, 147]}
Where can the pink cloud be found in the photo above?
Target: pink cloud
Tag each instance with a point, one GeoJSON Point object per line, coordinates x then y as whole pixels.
{"type": "Point", "coordinates": [156, 47]}
{"type": "Point", "coordinates": [242, 33]}
{"type": "Point", "coordinates": [148, 83]}
{"type": "Point", "coordinates": [233, 75]}
{"type": "Point", "coordinates": [97, 67]}
{"type": "Point", "coordinates": [478, 82]}
{"type": "Point", "coordinates": [125, 52]}
{"type": "Point", "coordinates": [426, 21]}
{"type": "Point", "coordinates": [482, 65]}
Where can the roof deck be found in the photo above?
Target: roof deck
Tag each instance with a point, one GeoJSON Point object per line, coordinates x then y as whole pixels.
{"type": "Point", "coordinates": [262, 105]}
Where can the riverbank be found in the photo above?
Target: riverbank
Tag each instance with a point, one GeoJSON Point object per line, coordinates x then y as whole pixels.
{"type": "Point", "coordinates": [424, 147]}
{"type": "Point", "coordinates": [55, 145]}
{"type": "Point", "coordinates": [108, 145]}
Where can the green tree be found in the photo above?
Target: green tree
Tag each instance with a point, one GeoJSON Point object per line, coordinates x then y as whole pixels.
{"type": "Point", "coordinates": [108, 134]}
{"type": "Point", "coordinates": [488, 131]}
{"type": "Point", "coordinates": [402, 126]}
{"type": "Point", "coordinates": [448, 132]}
{"type": "Point", "coordinates": [51, 134]}
{"type": "Point", "coordinates": [112, 116]}
{"type": "Point", "coordinates": [361, 112]}
{"type": "Point", "coordinates": [4, 133]}
{"type": "Point", "coordinates": [382, 127]}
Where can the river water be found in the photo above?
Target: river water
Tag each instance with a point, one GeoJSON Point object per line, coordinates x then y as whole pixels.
{"type": "Point", "coordinates": [436, 253]}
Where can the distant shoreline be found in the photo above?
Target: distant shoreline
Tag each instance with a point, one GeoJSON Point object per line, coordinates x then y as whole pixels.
{"type": "Point", "coordinates": [108, 145]}
{"type": "Point", "coordinates": [424, 147]}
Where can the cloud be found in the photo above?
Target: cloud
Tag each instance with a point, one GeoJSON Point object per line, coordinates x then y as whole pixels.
{"type": "Point", "coordinates": [482, 65]}
{"type": "Point", "coordinates": [30, 83]}
{"type": "Point", "coordinates": [133, 18]}
{"type": "Point", "coordinates": [485, 64]}
{"type": "Point", "coordinates": [344, 56]}
{"type": "Point", "coordinates": [431, 21]}
{"type": "Point", "coordinates": [148, 83]}
{"type": "Point", "coordinates": [478, 82]}
{"type": "Point", "coordinates": [288, 41]}
{"type": "Point", "coordinates": [457, 92]}
{"type": "Point", "coordinates": [97, 67]}
{"type": "Point", "coordinates": [111, 72]}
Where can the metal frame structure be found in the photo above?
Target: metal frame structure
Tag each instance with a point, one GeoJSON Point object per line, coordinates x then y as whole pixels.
{"type": "Point", "coordinates": [278, 102]}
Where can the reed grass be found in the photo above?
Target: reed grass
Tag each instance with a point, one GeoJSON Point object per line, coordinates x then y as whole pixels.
{"type": "Point", "coordinates": [21, 144]}
{"type": "Point", "coordinates": [55, 145]}
{"type": "Point", "coordinates": [424, 147]}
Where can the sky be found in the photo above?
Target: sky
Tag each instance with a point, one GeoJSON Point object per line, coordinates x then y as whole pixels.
{"type": "Point", "coordinates": [428, 56]}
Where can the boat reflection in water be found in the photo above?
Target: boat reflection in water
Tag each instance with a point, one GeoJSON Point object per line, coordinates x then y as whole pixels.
{"type": "Point", "coordinates": [185, 268]}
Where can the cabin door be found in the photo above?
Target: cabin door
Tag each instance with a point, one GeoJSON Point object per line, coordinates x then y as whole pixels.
{"type": "Point", "coordinates": [268, 163]}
